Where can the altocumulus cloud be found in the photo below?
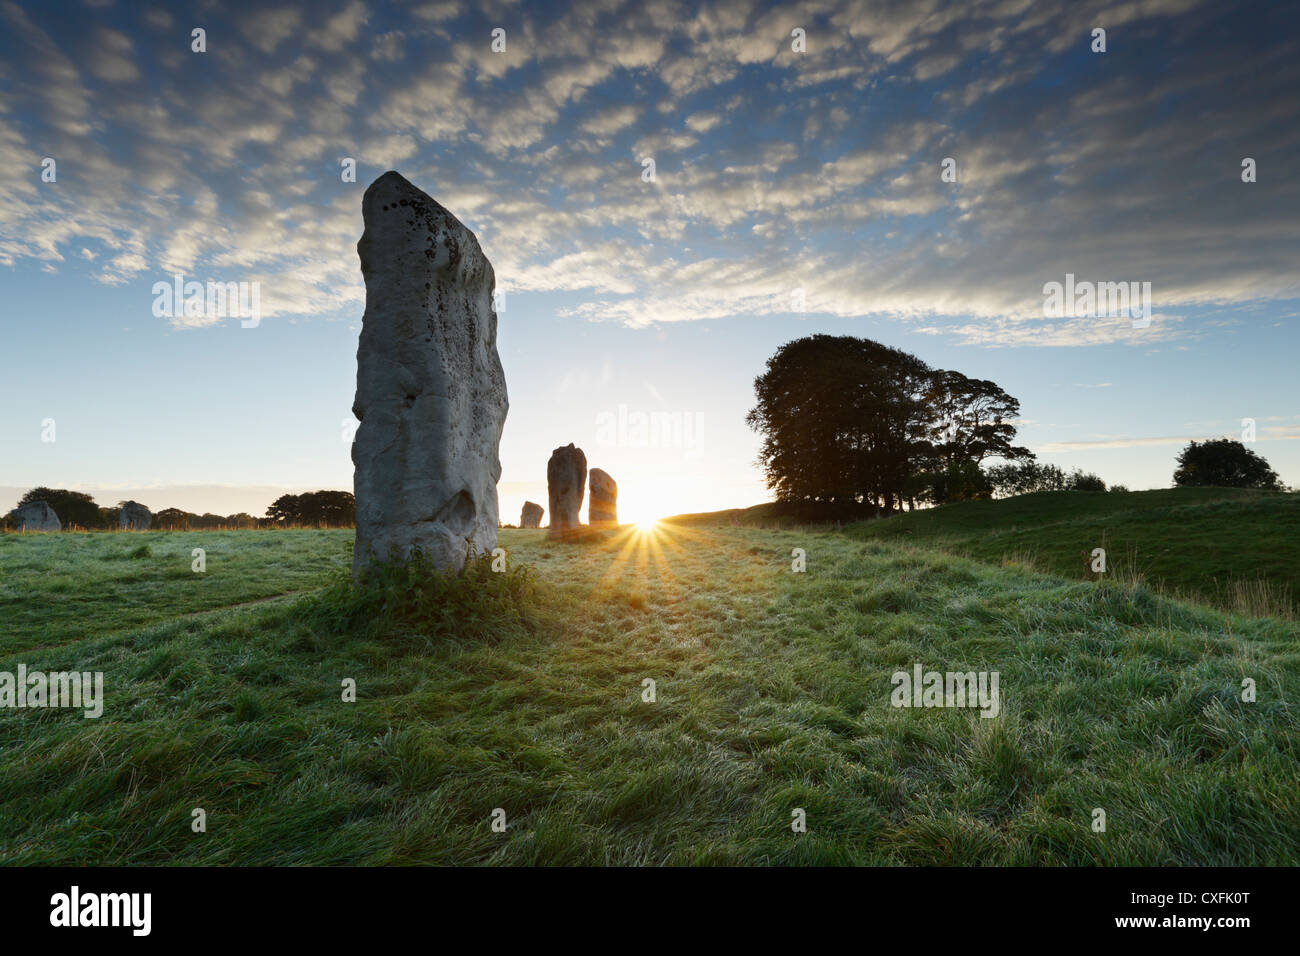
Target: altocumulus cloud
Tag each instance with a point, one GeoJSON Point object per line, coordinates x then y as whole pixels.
{"type": "Point", "coordinates": [776, 170]}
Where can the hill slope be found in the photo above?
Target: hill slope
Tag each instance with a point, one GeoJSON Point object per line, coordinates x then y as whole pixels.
{"type": "Point", "coordinates": [1229, 547]}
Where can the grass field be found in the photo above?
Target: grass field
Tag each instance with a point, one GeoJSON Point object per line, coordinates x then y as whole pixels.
{"type": "Point", "coordinates": [523, 691]}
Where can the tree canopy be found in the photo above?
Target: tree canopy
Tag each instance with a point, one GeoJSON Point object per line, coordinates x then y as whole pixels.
{"type": "Point", "coordinates": [973, 419]}
{"type": "Point", "coordinates": [850, 423]}
{"type": "Point", "coordinates": [1224, 463]}
{"type": "Point", "coordinates": [328, 509]}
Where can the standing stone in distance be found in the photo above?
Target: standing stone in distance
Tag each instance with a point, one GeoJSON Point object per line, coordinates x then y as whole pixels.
{"type": "Point", "coordinates": [35, 516]}
{"type": "Point", "coordinates": [135, 516]}
{"type": "Point", "coordinates": [531, 516]}
{"type": "Point", "coordinates": [603, 507]}
{"type": "Point", "coordinates": [431, 393]}
{"type": "Point", "coordinates": [566, 473]}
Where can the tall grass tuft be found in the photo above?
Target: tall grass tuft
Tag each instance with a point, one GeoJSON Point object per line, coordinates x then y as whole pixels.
{"type": "Point", "coordinates": [1261, 598]}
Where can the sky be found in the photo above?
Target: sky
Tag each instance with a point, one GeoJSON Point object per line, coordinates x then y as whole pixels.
{"type": "Point", "coordinates": [798, 187]}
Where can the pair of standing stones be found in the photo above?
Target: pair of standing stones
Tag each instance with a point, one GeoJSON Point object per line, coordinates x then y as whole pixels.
{"type": "Point", "coordinates": [566, 474]}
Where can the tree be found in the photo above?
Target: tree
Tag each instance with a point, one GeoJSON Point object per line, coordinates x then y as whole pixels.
{"type": "Point", "coordinates": [172, 519]}
{"type": "Point", "coordinates": [1223, 463]}
{"type": "Point", "coordinates": [1086, 481]}
{"type": "Point", "coordinates": [973, 420]}
{"type": "Point", "coordinates": [961, 481]}
{"type": "Point", "coordinates": [331, 509]}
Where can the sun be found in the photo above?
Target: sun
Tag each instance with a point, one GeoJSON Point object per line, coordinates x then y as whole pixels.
{"type": "Point", "coordinates": [640, 508]}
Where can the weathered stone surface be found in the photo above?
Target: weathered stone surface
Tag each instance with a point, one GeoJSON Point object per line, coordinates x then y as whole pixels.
{"type": "Point", "coordinates": [431, 393]}
{"type": "Point", "coordinates": [603, 506]}
{"type": "Point", "coordinates": [135, 516]}
{"type": "Point", "coordinates": [35, 516]}
{"type": "Point", "coordinates": [531, 516]}
{"type": "Point", "coordinates": [566, 473]}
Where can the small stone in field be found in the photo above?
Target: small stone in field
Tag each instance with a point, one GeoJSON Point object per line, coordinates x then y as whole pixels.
{"type": "Point", "coordinates": [531, 516]}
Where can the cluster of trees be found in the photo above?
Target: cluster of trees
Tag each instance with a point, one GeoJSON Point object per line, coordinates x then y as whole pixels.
{"type": "Point", "coordinates": [318, 509]}
{"type": "Point", "coordinates": [1224, 463]}
{"type": "Point", "coordinates": [852, 427]}
{"type": "Point", "coordinates": [174, 519]}
{"type": "Point", "coordinates": [323, 509]}
{"type": "Point", "coordinates": [1030, 476]}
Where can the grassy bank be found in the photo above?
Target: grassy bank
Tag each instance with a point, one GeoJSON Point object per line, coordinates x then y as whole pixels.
{"type": "Point", "coordinates": [1228, 547]}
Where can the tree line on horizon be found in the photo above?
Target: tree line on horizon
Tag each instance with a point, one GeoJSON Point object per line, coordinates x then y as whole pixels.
{"type": "Point", "coordinates": [318, 509]}
{"type": "Point", "coordinates": [853, 428]}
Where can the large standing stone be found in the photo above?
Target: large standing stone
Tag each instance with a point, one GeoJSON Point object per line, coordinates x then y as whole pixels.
{"type": "Point", "coordinates": [431, 393]}
{"type": "Point", "coordinates": [566, 473]}
{"type": "Point", "coordinates": [135, 516]}
{"type": "Point", "coordinates": [603, 507]}
{"type": "Point", "coordinates": [35, 516]}
{"type": "Point", "coordinates": [531, 516]}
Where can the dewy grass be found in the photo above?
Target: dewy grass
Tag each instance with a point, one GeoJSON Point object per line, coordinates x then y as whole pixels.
{"type": "Point", "coordinates": [75, 586]}
{"type": "Point", "coordinates": [525, 691]}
